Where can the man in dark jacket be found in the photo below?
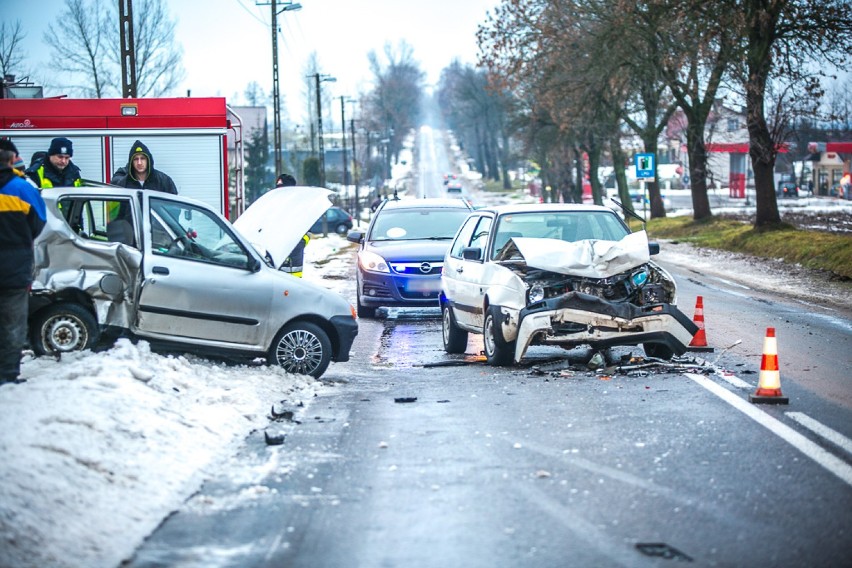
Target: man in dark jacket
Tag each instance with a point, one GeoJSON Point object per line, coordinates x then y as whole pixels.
{"type": "Point", "coordinates": [22, 217]}
{"type": "Point", "coordinates": [56, 169]}
{"type": "Point", "coordinates": [140, 173]}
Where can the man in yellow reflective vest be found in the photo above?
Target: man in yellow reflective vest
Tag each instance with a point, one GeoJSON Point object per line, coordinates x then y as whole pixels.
{"type": "Point", "coordinates": [56, 169]}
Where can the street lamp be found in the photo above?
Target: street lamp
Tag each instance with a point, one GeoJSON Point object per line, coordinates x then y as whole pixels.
{"type": "Point", "coordinates": [343, 100]}
{"type": "Point", "coordinates": [319, 78]}
{"type": "Point", "coordinates": [276, 98]}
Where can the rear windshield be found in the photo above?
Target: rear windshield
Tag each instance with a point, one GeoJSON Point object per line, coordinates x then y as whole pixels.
{"type": "Point", "coordinates": [411, 224]}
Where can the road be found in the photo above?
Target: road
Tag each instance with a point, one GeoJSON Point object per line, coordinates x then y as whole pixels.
{"type": "Point", "coordinates": [537, 464]}
{"type": "Point", "coordinates": [417, 458]}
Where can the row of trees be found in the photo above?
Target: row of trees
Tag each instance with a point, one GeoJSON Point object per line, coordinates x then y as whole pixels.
{"type": "Point", "coordinates": [583, 72]}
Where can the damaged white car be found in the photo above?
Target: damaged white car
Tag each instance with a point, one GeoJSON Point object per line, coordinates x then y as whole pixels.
{"type": "Point", "coordinates": [174, 272]}
{"type": "Point", "coordinates": [557, 274]}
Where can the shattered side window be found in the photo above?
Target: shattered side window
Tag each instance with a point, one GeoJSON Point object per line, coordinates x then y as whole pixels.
{"type": "Point", "coordinates": [101, 220]}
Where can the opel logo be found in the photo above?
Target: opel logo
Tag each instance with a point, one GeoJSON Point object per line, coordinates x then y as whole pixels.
{"type": "Point", "coordinates": [425, 268]}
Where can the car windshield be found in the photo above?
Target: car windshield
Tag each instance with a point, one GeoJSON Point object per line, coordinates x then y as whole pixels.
{"type": "Point", "coordinates": [563, 225]}
{"type": "Point", "coordinates": [413, 224]}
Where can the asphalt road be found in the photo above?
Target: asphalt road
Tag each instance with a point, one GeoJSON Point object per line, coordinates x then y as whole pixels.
{"type": "Point", "coordinates": [419, 458]}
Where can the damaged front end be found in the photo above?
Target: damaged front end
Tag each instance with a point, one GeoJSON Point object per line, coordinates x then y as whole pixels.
{"type": "Point", "coordinates": [597, 293]}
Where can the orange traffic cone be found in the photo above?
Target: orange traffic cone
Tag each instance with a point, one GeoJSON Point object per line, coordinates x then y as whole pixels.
{"type": "Point", "coordinates": [769, 384]}
{"type": "Point", "coordinates": [699, 340]}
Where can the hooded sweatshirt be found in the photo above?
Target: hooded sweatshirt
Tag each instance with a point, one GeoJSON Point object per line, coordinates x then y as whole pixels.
{"type": "Point", "coordinates": [156, 180]}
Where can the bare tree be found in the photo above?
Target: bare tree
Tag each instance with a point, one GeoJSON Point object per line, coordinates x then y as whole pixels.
{"type": "Point", "coordinates": [85, 49]}
{"type": "Point", "coordinates": [78, 40]}
{"type": "Point", "coordinates": [11, 57]}
{"type": "Point", "coordinates": [158, 58]}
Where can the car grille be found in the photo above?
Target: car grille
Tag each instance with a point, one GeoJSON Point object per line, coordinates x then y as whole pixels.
{"type": "Point", "coordinates": [422, 268]}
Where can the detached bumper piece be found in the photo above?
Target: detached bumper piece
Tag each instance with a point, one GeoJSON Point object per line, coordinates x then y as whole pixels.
{"type": "Point", "coordinates": [576, 318]}
{"type": "Point", "coordinates": [346, 329]}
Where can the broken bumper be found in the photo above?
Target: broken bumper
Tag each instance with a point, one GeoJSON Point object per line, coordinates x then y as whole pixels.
{"type": "Point", "coordinates": [576, 318]}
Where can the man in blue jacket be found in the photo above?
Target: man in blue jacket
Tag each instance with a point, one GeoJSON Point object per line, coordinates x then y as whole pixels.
{"type": "Point", "coordinates": [22, 217]}
{"type": "Point", "coordinates": [140, 173]}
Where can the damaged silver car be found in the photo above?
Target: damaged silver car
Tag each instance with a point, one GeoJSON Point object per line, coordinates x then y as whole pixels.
{"type": "Point", "coordinates": [173, 271]}
{"type": "Point", "coordinates": [557, 274]}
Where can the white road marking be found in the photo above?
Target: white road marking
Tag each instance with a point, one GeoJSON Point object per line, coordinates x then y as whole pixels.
{"type": "Point", "coordinates": [822, 430]}
{"type": "Point", "coordinates": [733, 380]}
{"type": "Point", "coordinates": [821, 456]}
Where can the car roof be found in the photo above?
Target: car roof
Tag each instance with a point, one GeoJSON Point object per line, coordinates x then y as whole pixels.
{"type": "Point", "coordinates": [545, 207]}
{"type": "Point", "coordinates": [427, 202]}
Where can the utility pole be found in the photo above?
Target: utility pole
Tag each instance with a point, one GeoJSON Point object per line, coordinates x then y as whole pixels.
{"type": "Point", "coordinates": [128, 50]}
{"type": "Point", "coordinates": [276, 97]}
{"type": "Point", "coordinates": [355, 171]}
{"type": "Point", "coordinates": [321, 78]}
{"type": "Point", "coordinates": [343, 133]}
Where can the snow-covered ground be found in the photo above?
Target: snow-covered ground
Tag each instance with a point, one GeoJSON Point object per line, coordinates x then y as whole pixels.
{"type": "Point", "coordinates": [98, 448]}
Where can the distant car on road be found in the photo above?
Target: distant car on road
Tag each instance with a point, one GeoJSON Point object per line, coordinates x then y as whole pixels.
{"type": "Point", "coordinates": [557, 274]}
{"type": "Point", "coordinates": [787, 187]}
{"type": "Point", "coordinates": [402, 252]}
{"type": "Point", "coordinates": [339, 221]}
{"type": "Point", "coordinates": [454, 188]}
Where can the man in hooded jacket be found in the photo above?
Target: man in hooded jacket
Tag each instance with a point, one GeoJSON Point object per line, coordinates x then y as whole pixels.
{"type": "Point", "coordinates": [140, 173]}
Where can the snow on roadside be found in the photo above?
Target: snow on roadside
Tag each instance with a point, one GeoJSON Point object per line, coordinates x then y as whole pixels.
{"type": "Point", "coordinates": [97, 449]}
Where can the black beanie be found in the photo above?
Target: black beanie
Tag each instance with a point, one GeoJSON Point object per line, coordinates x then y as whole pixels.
{"type": "Point", "coordinates": [7, 144]}
{"type": "Point", "coordinates": [60, 146]}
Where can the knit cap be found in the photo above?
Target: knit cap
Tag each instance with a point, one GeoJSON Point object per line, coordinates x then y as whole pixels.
{"type": "Point", "coordinates": [60, 146]}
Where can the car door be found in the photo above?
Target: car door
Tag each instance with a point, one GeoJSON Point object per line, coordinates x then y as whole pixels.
{"type": "Point", "coordinates": [199, 280]}
{"type": "Point", "coordinates": [464, 287]}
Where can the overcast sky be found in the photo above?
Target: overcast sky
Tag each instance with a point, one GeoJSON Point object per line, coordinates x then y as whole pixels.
{"type": "Point", "coordinates": [228, 43]}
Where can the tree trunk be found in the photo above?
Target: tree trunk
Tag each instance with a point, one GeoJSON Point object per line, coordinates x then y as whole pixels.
{"type": "Point", "coordinates": [697, 153]}
{"type": "Point", "coordinates": [504, 159]}
{"type": "Point", "coordinates": [594, 152]}
{"type": "Point", "coordinates": [658, 208]}
{"type": "Point", "coordinates": [618, 160]}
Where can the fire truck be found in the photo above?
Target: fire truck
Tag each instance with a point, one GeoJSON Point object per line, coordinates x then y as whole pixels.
{"type": "Point", "coordinates": [188, 138]}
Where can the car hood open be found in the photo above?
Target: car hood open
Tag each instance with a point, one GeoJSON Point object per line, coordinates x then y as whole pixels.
{"type": "Point", "coordinates": [587, 258]}
{"type": "Point", "coordinates": [276, 221]}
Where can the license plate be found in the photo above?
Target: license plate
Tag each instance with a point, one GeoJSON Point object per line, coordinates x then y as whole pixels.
{"type": "Point", "coordinates": [423, 285]}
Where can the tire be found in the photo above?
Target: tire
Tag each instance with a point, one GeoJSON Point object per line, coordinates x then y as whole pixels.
{"type": "Point", "coordinates": [365, 311]}
{"type": "Point", "coordinates": [498, 351]}
{"type": "Point", "coordinates": [455, 339]}
{"type": "Point", "coordinates": [658, 351]}
{"type": "Point", "coordinates": [341, 229]}
{"type": "Point", "coordinates": [302, 348]}
{"type": "Point", "coordinates": [63, 328]}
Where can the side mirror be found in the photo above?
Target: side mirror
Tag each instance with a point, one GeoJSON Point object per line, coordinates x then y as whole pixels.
{"type": "Point", "coordinates": [472, 253]}
{"type": "Point", "coordinates": [654, 248]}
{"type": "Point", "coordinates": [355, 236]}
{"type": "Point", "coordinates": [253, 264]}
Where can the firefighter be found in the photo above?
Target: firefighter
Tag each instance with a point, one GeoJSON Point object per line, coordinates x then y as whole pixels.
{"type": "Point", "coordinates": [56, 169]}
{"type": "Point", "coordinates": [294, 263]}
{"type": "Point", "coordinates": [140, 173]}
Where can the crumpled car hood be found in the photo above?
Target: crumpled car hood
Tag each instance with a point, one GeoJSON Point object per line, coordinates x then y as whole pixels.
{"type": "Point", "coordinates": [588, 258]}
{"type": "Point", "coordinates": [276, 221]}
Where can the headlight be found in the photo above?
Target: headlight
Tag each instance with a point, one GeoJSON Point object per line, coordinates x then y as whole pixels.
{"type": "Point", "coordinates": [372, 262]}
{"type": "Point", "coordinates": [536, 293]}
{"type": "Point", "coordinates": [639, 278]}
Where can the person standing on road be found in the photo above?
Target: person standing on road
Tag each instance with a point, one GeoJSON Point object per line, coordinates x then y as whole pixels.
{"type": "Point", "coordinates": [294, 263]}
{"type": "Point", "coordinates": [140, 173]}
{"type": "Point", "coordinates": [56, 169]}
{"type": "Point", "coordinates": [22, 217]}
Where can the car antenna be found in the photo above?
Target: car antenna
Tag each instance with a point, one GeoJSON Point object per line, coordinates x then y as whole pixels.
{"type": "Point", "coordinates": [629, 213]}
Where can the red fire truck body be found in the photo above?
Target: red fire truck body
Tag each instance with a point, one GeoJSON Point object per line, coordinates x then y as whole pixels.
{"type": "Point", "coordinates": [186, 136]}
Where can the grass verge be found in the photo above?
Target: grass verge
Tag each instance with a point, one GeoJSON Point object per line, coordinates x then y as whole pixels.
{"type": "Point", "coordinates": [811, 249]}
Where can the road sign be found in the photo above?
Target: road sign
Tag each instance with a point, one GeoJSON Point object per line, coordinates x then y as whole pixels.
{"type": "Point", "coordinates": [646, 165]}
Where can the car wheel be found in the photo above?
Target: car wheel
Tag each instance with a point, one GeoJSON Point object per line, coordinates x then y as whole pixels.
{"type": "Point", "coordinates": [62, 328]}
{"type": "Point", "coordinates": [455, 339]}
{"type": "Point", "coordinates": [302, 348]}
{"type": "Point", "coordinates": [365, 311]}
{"type": "Point", "coordinates": [342, 229]}
{"type": "Point", "coordinates": [658, 351]}
{"type": "Point", "coordinates": [498, 351]}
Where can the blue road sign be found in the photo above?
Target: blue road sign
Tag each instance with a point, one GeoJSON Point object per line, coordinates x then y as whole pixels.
{"type": "Point", "coordinates": [645, 166]}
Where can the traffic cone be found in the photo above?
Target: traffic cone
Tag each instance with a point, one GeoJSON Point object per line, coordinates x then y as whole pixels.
{"type": "Point", "coordinates": [769, 384]}
{"type": "Point", "coordinates": [699, 340]}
